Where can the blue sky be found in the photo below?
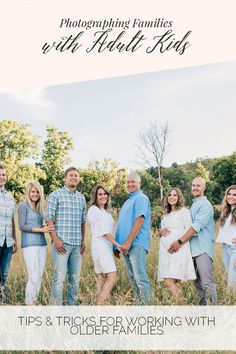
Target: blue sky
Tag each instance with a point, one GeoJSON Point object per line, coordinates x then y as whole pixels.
{"type": "Point", "coordinates": [105, 116]}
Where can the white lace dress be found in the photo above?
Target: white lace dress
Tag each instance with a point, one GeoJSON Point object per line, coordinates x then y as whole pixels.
{"type": "Point", "coordinates": [101, 223]}
{"type": "Point", "coordinates": [177, 265]}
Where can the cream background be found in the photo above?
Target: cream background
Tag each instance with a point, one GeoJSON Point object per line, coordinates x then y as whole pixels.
{"type": "Point", "coordinates": [26, 25]}
{"type": "Point", "coordinates": [212, 322]}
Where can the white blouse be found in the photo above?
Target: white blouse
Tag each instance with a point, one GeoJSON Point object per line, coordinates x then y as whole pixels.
{"type": "Point", "coordinates": [227, 232]}
{"type": "Point", "coordinates": [101, 221]}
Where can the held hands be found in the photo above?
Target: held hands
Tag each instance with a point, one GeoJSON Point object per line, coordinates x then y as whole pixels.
{"type": "Point", "coordinates": [234, 241]}
{"type": "Point", "coordinates": [125, 247]}
{"type": "Point", "coordinates": [174, 247]}
{"type": "Point", "coordinates": [117, 253]}
{"type": "Point", "coordinates": [164, 232]}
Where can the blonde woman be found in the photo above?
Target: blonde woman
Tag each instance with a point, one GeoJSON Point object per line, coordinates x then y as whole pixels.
{"type": "Point", "coordinates": [227, 234]}
{"type": "Point", "coordinates": [102, 227]}
{"type": "Point", "coordinates": [33, 242]}
{"type": "Point", "coordinates": [174, 267]}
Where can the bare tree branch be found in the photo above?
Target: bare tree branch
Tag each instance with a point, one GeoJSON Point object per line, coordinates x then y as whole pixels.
{"type": "Point", "coordinates": [152, 146]}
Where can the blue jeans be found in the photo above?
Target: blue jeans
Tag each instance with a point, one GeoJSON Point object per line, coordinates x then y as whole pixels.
{"type": "Point", "coordinates": [69, 262]}
{"type": "Point", "coordinates": [135, 262]}
{"type": "Point", "coordinates": [229, 259]}
{"type": "Point", "coordinates": [5, 260]}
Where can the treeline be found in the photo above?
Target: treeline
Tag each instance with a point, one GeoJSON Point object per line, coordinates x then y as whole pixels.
{"type": "Point", "coordinates": [26, 159]}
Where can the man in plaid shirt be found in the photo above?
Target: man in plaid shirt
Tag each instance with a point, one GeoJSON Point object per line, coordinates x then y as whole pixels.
{"type": "Point", "coordinates": [68, 206]}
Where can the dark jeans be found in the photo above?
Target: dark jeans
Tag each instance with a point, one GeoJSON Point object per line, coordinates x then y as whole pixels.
{"type": "Point", "coordinates": [5, 260]}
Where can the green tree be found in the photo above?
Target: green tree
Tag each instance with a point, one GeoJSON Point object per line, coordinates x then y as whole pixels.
{"type": "Point", "coordinates": [17, 144]}
{"type": "Point", "coordinates": [54, 158]}
{"type": "Point", "coordinates": [202, 171]}
{"type": "Point", "coordinates": [108, 173]}
{"type": "Point", "coordinates": [150, 186]}
{"type": "Point", "coordinates": [177, 177]}
{"type": "Point", "coordinates": [223, 175]}
{"type": "Point", "coordinates": [20, 176]}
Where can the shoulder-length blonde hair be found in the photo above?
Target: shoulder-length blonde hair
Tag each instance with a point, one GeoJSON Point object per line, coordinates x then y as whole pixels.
{"type": "Point", "coordinates": [40, 203]}
{"type": "Point", "coordinates": [180, 202]}
{"type": "Point", "coordinates": [226, 208]}
{"type": "Point", "coordinates": [94, 196]}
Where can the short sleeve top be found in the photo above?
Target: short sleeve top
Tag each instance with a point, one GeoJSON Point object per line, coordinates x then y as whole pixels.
{"type": "Point", "coordinates": [101, 222]}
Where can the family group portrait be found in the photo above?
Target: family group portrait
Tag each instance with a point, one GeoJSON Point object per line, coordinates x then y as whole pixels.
{"type": "Point", "coordinates": [120, 191]}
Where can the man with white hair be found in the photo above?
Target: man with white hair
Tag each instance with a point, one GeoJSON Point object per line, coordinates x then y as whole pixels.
{"type": "Point", "coordinates": [133, 233]}
{"type": "Point", "coordinates": [201, 236]}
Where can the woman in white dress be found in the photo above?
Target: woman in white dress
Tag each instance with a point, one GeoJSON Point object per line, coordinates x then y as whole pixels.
{"type": "Point", "coordinates": [102, 225]}
{"type": "Point", "coordinates": [227, 235]}
{"type": "Point", "coordinates": [174, 267]}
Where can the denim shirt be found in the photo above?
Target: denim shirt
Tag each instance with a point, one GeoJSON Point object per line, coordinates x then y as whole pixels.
{"type": "Point", "coordinates": [7, 207]}
{"type": "Point", "coordinates": [203, 223]}
{"type": "Point", "coordinates": [28, 219]}
{"type": "Point", "coordinates": [136, 205]}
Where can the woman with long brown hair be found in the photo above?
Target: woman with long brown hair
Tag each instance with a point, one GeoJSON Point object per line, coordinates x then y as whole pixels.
{"type": "Point", "coordinates": [174, 267]}
{"type": "Point", "coordinates": [227, 234]}
{"type": "Point", "coordinates": [102, 225]}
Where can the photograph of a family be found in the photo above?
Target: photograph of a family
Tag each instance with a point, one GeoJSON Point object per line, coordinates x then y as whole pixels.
{"type": "Point", "coordinates": [120, 191]}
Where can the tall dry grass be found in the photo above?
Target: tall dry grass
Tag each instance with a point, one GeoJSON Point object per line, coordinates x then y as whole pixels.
{"type": "Point", "coordinates": [121, 294]}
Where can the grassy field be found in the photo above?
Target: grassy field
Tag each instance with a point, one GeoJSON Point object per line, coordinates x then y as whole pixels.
{"type": "Point", "coordinates": [122, 294]}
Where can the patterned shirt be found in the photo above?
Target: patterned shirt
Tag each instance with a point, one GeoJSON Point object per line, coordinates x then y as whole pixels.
{"type": "Point", "coordinates": [7, 206]}
{"type": "Point", "coordinates": [69, 208]}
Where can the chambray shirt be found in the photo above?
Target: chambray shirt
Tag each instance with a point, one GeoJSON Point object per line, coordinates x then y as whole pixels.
{"type": "Point", "coordinates": [70, 211]}
{"type": "Point", "coordinates": [203, 223]}
{"type": "Point", "coordinates": [7, 206]}
{"type": "Point", "coordinates": [136, 205]}
{"type": "Point", "coordinates": [27, 219]}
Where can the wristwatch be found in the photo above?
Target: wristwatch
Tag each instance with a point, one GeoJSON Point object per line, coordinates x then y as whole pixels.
{"type": "Point", "coordinates": [180, 241]}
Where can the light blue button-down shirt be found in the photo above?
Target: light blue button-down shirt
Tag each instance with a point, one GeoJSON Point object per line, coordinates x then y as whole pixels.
{"type": "Point", "coordinates": [137, 205]}
{"type": "Point", "coordinates": [203, 223]}
{"type": "Point", "coordinates": [7, 206]}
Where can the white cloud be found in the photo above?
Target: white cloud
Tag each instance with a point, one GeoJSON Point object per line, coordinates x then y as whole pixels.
{"type": "Point", "coordinates": [35, 104]}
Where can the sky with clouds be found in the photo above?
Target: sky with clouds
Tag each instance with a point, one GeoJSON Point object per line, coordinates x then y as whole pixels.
{"type": "Point", "coordinates": [105, 116]}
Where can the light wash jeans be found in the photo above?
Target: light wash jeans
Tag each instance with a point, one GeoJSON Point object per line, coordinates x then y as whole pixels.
{"type": "Point", "coordinates": [229, 259]}
{"type": "Point", "coordinates": [135, 262]}
{"type": "Point", "coordinates": [69, 262]}
{"type": "Point", "coordinates": [35, 259]}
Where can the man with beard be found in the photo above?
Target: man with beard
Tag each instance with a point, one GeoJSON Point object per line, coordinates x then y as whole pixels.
{"type": "Point", "coordinates": [68, 207]}
{"type": "Point", "coordinates": [201, 236]}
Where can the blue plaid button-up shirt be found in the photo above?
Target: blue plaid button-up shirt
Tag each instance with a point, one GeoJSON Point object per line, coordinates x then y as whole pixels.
{"type": "Point", "coordinates": [69, 208]}
{"type": "Point", "coordinates": [7, 206]}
